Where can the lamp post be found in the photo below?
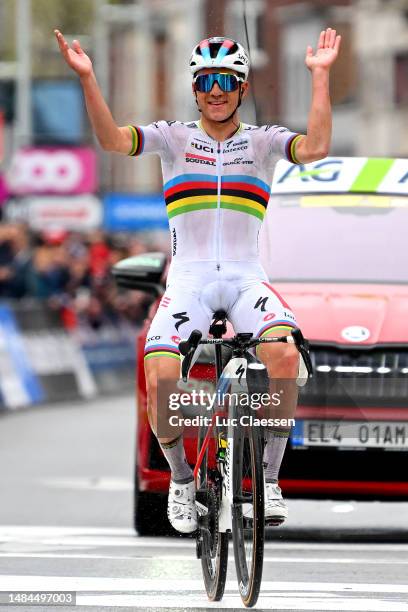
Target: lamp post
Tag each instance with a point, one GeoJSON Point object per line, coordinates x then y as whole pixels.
{"type": "Point", "coordinates": [23, 127]}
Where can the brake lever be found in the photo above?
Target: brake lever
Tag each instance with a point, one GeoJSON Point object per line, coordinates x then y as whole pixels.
{"type": "Point", "coordinates": [187, 348]}
{"type": "Point", "coordinates": [303, 347]}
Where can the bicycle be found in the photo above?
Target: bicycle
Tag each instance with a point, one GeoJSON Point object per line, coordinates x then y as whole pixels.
{"type": "Point", "coordinates": [229, 473]}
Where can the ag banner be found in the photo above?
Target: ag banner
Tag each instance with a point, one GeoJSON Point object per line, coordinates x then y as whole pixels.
{"type": "Point", "coordinates": [343, 175]}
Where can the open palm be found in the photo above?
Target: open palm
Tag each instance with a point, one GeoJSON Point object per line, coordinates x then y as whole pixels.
{"type": "Point", "coordinates": [75, 57]}
{"type": "Point", "coordinates": [326, 52]}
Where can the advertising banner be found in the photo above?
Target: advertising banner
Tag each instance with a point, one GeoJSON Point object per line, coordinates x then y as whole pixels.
{"type": "Point", "coordinates": [3, 190]}
{"type": "Point", "coordinates": [343, 175]}
{"type": "Point", "coordinates": [19, 384]}
{"type": "Point", "coordinates": [134, 212]}
{"type": "Point", "coordinates": [57, 170]}
{"type": "Point", "coordinates": [39, 360]}
{"type": "Point", "coordinates": [70, 213]}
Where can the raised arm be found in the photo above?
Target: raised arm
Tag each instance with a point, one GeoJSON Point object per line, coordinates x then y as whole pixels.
{"type": "Point", "coordinates": [110, 136]}
{"type": "Point", "coordinates": [316, 143]}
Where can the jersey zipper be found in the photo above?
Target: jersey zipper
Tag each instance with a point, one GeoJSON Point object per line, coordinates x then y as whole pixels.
{"type": "Point", "coordinates": [218, 223]}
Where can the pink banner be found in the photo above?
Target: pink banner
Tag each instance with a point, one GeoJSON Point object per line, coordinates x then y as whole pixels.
{"type": "Point", "coordinates": [3, 190]}
{"type": "Point", "coordinates": [51, 170]}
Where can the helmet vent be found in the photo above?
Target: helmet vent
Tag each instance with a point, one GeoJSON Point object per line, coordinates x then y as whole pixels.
{"type": "Point", "coordinates": [214, 48]}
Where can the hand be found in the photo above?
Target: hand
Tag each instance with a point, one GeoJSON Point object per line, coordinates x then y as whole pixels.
{"type": "Point", "coordinates": [75, 56]}
{"type": "Point", "coordinates": [327, 50]}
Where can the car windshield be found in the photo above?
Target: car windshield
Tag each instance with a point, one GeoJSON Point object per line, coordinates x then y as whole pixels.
{"type": "Point", "coordinates": [336, 238]}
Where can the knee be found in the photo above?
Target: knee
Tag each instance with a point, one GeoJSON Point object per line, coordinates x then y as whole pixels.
{"type": "Point", "coordinates": [283, 361]}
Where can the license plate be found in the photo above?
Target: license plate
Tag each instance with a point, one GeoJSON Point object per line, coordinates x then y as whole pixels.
{"type": "Point", "coordinates": [351, 434]}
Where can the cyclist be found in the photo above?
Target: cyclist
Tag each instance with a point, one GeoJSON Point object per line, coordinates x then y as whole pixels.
{"type": "Point", "coordinates": [217, 174]}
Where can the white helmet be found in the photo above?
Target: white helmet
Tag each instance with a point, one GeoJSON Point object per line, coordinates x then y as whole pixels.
{"type": "Point", "coordinates": [219, 52]}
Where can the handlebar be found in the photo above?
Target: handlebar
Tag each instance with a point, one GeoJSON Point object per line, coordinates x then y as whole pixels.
{"type": "Point", "coordinates": [242, 342]}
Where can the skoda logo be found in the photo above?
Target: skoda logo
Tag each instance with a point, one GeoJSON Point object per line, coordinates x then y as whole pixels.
{"type": "Point", "coordinates": [355, 333]}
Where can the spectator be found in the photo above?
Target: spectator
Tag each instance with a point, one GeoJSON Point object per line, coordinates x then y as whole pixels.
{"type": "Point", "coordinates": [49, 274]}
{"type": "Point", "coordinates": [71, 271]}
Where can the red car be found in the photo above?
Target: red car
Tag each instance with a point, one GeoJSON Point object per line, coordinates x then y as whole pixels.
{"type": "Point", "coordinates": [334, 246]}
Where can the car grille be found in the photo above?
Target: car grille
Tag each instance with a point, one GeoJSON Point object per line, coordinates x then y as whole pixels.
{"type": "Point", "coordinates": [357, 377]}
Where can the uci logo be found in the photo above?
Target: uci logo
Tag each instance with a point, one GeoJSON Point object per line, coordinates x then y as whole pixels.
{"type": "Point", "coordinates": [201, 147]}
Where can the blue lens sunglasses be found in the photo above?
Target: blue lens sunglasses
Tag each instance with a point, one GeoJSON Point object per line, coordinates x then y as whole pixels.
{"type": "Point", "coordinates": [226, 81]}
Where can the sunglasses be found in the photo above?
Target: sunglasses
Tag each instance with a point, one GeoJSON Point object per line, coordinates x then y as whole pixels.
{"type": "Point", "coordinates": [226, 81]}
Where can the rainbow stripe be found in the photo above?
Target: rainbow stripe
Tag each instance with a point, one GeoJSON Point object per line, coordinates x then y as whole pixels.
{"type": "Point", "coordinates": [188, 192]}
{"type": "Point", "coordinates": [290, 148]}
{"type": "Point", "coordinates": [161, 350]}
{"type": "Point", "coordinates": [137, 140]}
{"type": "Point", "coordinates": [246, 194]}
{"type": "Point", "coordinates": [267, 329]}
{"type": "Point", "coordinates": [240, 193]}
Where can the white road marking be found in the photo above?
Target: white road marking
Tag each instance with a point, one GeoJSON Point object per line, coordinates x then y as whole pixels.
{"type": "Point", "coordinates": [160, 585]}
{"type": "Point", "coordinates": [57, 530]}
{"type": "Point", "coordinates": [273, 602]}
{"type": "Point", "coordinates": [343, 508]}
{"type": "Point", "coordinates": [92, 483]}
{"type": "Point", "coordinates": [143, 593]}
{"type": "Point", "coordinates": [43, 542]}
{"type": "Point", "coordinates": [191, 557]}
{"type": "Point", "coordinates": [118, 536]}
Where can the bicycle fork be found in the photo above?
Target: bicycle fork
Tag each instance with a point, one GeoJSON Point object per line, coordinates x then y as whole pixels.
{"type": "Point", "coordinates": [235, 372]}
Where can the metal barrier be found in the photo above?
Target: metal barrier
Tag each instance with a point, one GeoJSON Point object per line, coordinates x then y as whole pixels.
{"type": "Point", "coordinates": [39, 360]}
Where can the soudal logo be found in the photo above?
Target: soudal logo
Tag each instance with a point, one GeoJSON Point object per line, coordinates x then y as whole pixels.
{"type": "Point", "coordinates": [200, 159]}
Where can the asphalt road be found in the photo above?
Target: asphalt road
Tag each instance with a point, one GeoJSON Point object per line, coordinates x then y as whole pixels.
{"type": "Point", "coordinates": [65, 525]}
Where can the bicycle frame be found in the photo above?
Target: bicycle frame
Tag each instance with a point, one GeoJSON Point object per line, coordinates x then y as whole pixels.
{"type": "Point", "coordinates": [235, 370]}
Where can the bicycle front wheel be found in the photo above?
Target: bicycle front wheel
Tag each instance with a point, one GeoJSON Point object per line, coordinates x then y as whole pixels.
{"type": "Point", "coordinates": [212, 543]}
{"type": "Point", "coordinates": [248, 513]}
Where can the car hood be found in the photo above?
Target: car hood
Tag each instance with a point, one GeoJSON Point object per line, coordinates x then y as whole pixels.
{"type": "Point", "coordinates": [359, 314]}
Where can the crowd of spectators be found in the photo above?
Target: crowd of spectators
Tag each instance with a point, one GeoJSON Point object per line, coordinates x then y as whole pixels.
{"type": "Point", "coordinates": [71, 272]}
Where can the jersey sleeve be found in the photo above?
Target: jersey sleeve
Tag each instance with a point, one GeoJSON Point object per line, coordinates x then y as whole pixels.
{"type": "Point", "coordinates": [282, 142]}
{"type": "Point", "coordinates": [152, 138]}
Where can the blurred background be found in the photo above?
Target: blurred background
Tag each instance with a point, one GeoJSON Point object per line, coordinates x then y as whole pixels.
{"type": "Point", "coordinates": [69, 211]}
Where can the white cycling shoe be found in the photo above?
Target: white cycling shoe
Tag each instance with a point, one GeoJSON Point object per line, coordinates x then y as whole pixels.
{"type": "Point", "coordinates": [181, 508]}
{"type": "Point", "coordinates": [276, 510]}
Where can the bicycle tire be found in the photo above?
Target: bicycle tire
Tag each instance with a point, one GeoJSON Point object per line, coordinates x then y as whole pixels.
{"type": "Point", "coordinates": [214, 564]}
{"type": "Point", "coordinates": [248, 465]}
